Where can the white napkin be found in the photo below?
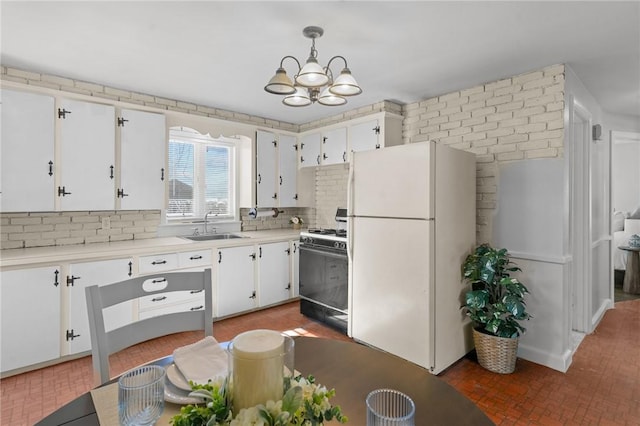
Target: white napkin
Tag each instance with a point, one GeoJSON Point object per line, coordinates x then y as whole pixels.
{"type": "Point", "coordinates": [201, 361]}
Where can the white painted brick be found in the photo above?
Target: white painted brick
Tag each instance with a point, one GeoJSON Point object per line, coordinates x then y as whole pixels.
{"type": "Point", "coordinates": [68, 226]}
{"type": "Point", "coordinates": [37, 228]}
{"type": "Point", "coordinates": [556, 124]}
{"type": "Point", "coordinates": [510, 156]}
{"type": "Point", "coordinates": [458, 101]}
{"type": "Point", "coordinates": [164, 101]}
{"type": "Point", "coordinates": [122, 237]}
{"type": "Point", "coordinates": [549, 134]}
{"type": "Point", "coordinates": [450, 110]}
{"type": "Point", "coordinates": [91, 87]}
{"type": "Point", "coordinates": [429, 115]}
{"type": "Point", "coordinates": [455, 140]}
{"type": "Point", "coordinates": [144, 236]}
{"type": "Point", "coordinates": [428, 102]}
{"type": "Point", "coordinates": [84, 219]}
{"type": "Point", "coordinates": [539, 144]}
{"type": "Point", "coordinates": [502, 131]}
{"type": "Point", "coordinates": [472, 91]}
{"type": "Point", "coordinates": [437, 106]}
{"type": "Point", "coordinates": [489, 158]}
{"type": "Point", "coordinates": [509, 90]}
{"type": "Point", "coordinates": [500, 117]}
{"type": "Point", "coordinates": [485, 142]}
{"type": "Point", "coordinates": [485, 126]}
{"type": "Point", "coordinates": [473, 106]}
{"type": "Point", "coordinates": [83, 233]}
{"type": "Point", "coordinates": [539, 100]}
{"type": "Point", "coordinates": [45, 84]}
{"type": "Point", "coordinates": [474, 121]}
{"type": "Point", "coordinates": [474, 136]}
{"type": "Point", "coordinates": [54, 235]}
{"type": "Point", "coordinates": [142, 97]}
{"type": "Point", "coordinates": [499, 149]}
{"type": "Point", "coordinates": [531, 128]}
{"type": "Point", "coordinates": [25, 236]}
{"type": "Point", "coordinates": [460, 131]}
{"type": "Point", "coordinates": [12, 244]}
{"type": "Point", "coordinates": [556, 88]}
{"type": "Point", "coordinates": [448, 97]}
{"type": "Point", "coordinates": [553, 70]}
{"type": "Point", "coordinates": [480, 150]}
{"type": "Point", "coordinates": [489, 87]}
{"type": "Point", "coordinates": [524, 78]}
{"type": "Point", "coordinates": [438, 135]}
{"type": "Point", "coordinates": [542, 153]}
{"type": "Point", "coordinates": [463, 146]}
{"type": "Point", "coordinates": [450, 125]}
{"type": "Point", "coordinates": [483, 111]}
{"type": "Point", "coordinates": [97, 239]}
{"type": "Point", "coordinates": [511, 106]}
{"type": "Point", "coordinates": [27, 75]}
{"type": "Point", "coordinates": [15, 79]}
{"type": "Point", "coordinates": [513, 122]}
{"type": "Point", "coordinates": [26, 221]}
{"type": "Point", "coordinates": [555, 106]}
{"type": "Point", "coordinates": [546, 117]}
{"type": "Point", "coordinates": [12, 229]}
{"type": "Point", "coordinates": [460, 116]}
{"type": "Point", "coordinates": [69, 241]}
{"type": "Point", "coordinates": [542, 82]}
{"type": "Point", "coordinates": [556, 142]}
{"type": "Point", "coordinates": [438, 120]}
{"type": "Point", "coordinates": [480, 97]}
{"type": "Point", "coordinates": [499, 100]}
{"type": "Point", "coordinates": [525, 112]}
{"type": "Point", "coordinates": [513, 138]}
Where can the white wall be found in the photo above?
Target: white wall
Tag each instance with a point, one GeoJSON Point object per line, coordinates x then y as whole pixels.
{"type": "Point", "coordinates": [625, 171]}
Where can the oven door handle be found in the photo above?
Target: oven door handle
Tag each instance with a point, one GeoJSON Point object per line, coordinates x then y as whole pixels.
{"type": "Point", "coordinates": [322, 252]}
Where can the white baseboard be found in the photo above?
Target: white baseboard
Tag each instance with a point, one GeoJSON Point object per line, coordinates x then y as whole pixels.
{"type": "Point", "coordinates": [556, 362]}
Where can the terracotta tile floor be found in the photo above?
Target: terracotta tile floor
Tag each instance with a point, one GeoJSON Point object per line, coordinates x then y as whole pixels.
{"type": "Point", "coordinates": [602, 387]}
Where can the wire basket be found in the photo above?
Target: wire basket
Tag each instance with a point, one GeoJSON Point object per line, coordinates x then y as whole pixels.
{"type": "Point", "coordinates": [497, 354]}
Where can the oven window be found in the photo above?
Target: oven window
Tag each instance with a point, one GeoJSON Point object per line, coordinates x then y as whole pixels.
{"type": "Point", "coordinates": [323, 277]}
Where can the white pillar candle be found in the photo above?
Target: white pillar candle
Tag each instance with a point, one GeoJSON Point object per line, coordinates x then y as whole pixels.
{"type": "Point", "coordinates": [258, 364]}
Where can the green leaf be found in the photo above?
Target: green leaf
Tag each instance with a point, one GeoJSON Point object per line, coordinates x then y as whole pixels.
{"type": "Point", "coordinates": [292, 400]}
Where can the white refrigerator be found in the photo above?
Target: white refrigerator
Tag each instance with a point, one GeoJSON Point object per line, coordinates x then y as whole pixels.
{"type": "Point", "coordinates": [411, 218]}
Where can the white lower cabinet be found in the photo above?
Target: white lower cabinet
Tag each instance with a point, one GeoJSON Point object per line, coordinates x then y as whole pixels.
{"type": "Point", "coordinates": [236, 290]}
{"type": "Point", "coordinates": [295, 267]}
{"type": "Point", "coordinates": [82, 275]}
{"type": "Point", "coordinates": [30, 301]}
{"type": "Point", "coordinates": [273, 273]}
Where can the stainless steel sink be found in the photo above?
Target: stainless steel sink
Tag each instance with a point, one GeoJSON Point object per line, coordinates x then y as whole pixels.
{"type": "Point", "coordinates": [209, 237]}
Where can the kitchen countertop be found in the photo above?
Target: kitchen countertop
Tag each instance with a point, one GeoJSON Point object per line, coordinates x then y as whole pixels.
{"type": "Point", "coordinates": [40, 256]}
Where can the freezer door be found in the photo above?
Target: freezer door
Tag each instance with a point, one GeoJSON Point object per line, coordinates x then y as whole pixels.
{"type": "Point", "coordinates": [390, 299]}
{"type": "Point", "coordinates": [393, 182]}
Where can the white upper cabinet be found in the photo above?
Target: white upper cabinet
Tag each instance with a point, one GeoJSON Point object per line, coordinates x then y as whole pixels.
{"type": "Point", "coordinates": [276, 170]}
{"type": "Point", "coordinates": [334, 146]}
{"type": "Point", "coordinates": [267, 166]}
{"type": "Point", "coordinates": [288, 162]}
{"type": "Point", "coordinates": [364, 136]}
{"type": "Point", "coordinates": [143, 146]}
{"type": "Point", "coordinates": [87, 156]}
{"type": "Point", "coordinates": [310, 149]}
{"type": "Point", "coordinates": [27, 176]}
{"type": "Point", "coordinates": [379, 131]}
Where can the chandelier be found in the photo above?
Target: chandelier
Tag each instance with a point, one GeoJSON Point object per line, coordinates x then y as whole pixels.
{"type": "Point", "coordinates": [313, 83]}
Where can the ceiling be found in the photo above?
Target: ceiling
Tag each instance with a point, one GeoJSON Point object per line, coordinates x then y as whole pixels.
{"type": "Point", "coordinates": [221, 54]}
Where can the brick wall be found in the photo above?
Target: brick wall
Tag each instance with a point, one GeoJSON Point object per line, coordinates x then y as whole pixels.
{"type": "Point", "coordinates": [517, 118]}
{"type": "Point", "coordinates": [331, 193]}
{"type": "Point", "coordinates": [281, 222]}
{"type": "Point", "coordinates": [22, 230]}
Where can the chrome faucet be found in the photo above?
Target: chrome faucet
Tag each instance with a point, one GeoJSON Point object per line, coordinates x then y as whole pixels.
{"type": "Point", "coordinates": [206, 221]}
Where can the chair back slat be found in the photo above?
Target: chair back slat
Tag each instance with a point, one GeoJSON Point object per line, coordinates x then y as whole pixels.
{"type": "Point", "coordinates": [105, 343]}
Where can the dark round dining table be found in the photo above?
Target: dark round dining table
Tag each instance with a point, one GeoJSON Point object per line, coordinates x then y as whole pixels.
{"type": "Point", "coordinates": [353, 370]}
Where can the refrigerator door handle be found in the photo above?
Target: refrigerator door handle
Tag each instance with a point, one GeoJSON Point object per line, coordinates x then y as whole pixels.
{"type": "Point", "coordinates": [350, 208]}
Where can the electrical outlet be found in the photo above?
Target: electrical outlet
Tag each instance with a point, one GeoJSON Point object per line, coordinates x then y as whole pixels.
{"type": "Point", "coordinates": [106, 223]}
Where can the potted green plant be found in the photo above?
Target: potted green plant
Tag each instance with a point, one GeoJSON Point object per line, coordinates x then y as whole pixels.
{"type": "Point", "coordinates": [495, 303]}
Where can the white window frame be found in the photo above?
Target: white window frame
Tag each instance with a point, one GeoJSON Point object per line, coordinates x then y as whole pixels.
{"type": "Point", "coordinates": [201, 142]}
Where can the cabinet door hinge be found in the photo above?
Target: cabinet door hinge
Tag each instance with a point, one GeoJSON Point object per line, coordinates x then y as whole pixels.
{"type": "Point", "coordinates": [70, 335]}
{"type": "Point", "coordinates": [376, 130]}
{"type": "Point", "coordinates": [121, 193]}
{"type": "Point", "coordinates": [62, 113]}
{"type": "Point", "coordinates": [121, 121]}
{"type": "Point", "coordinates": [62, 191]}
{"type": "Point", "coordinates": [71, 280]}
{"type": "Point", "coordinates": [295, 197]}
{"type": "Point", "coordinates": [275, 144]}
{"type": "Point", "coordinates": [295, 147]}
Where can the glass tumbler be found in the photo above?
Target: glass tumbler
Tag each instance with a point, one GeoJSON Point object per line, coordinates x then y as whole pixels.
{"type": "Point", "coordinates": [141, 395]}
{"type": "Point", "coordinates": [388, 407]}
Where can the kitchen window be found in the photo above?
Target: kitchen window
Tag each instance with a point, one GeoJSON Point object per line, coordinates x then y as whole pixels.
{"type": "Point", "coordinates": [201, 175]}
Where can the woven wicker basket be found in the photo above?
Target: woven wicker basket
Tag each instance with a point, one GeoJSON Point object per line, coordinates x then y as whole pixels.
{"type": "Point", "coordinates": [497, 354]}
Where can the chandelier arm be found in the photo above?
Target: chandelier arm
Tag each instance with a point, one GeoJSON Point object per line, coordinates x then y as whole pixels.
{"type": "Point", "coordinates": [292, 57]}
{"type": "Point", "coordinates": [337, 57]}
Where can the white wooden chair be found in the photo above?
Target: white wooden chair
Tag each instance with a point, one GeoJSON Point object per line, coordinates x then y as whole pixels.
{"type": "Point", "coordinates": [105, 343]}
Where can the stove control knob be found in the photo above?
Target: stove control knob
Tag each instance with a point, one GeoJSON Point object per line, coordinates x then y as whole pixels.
{"type": "Point", "coordinates": [336, 244]}
{"type": "Point", "coordinates": [343, 245]}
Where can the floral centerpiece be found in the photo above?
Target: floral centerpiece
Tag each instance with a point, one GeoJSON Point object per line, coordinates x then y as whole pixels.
{"type": "Point", "coordinates": [304, 403]}
{"type": "Point", "coordinates": [296, 221]}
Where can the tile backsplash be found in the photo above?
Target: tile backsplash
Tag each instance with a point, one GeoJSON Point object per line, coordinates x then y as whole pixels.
{"type": "Point", "coordinates": [41, 229]}
{"type": "Point", "coordinates": [280, 222]}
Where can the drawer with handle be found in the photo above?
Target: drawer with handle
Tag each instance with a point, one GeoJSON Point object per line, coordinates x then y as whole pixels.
{"type": "Point", "coordinates": [192, 305]}
{"type": "Point", "coordinates": [158, 263]}
{"type": "Point", "coordinates": [161, 299]}
{"type": "Point", "coordinates": [194, 258]}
